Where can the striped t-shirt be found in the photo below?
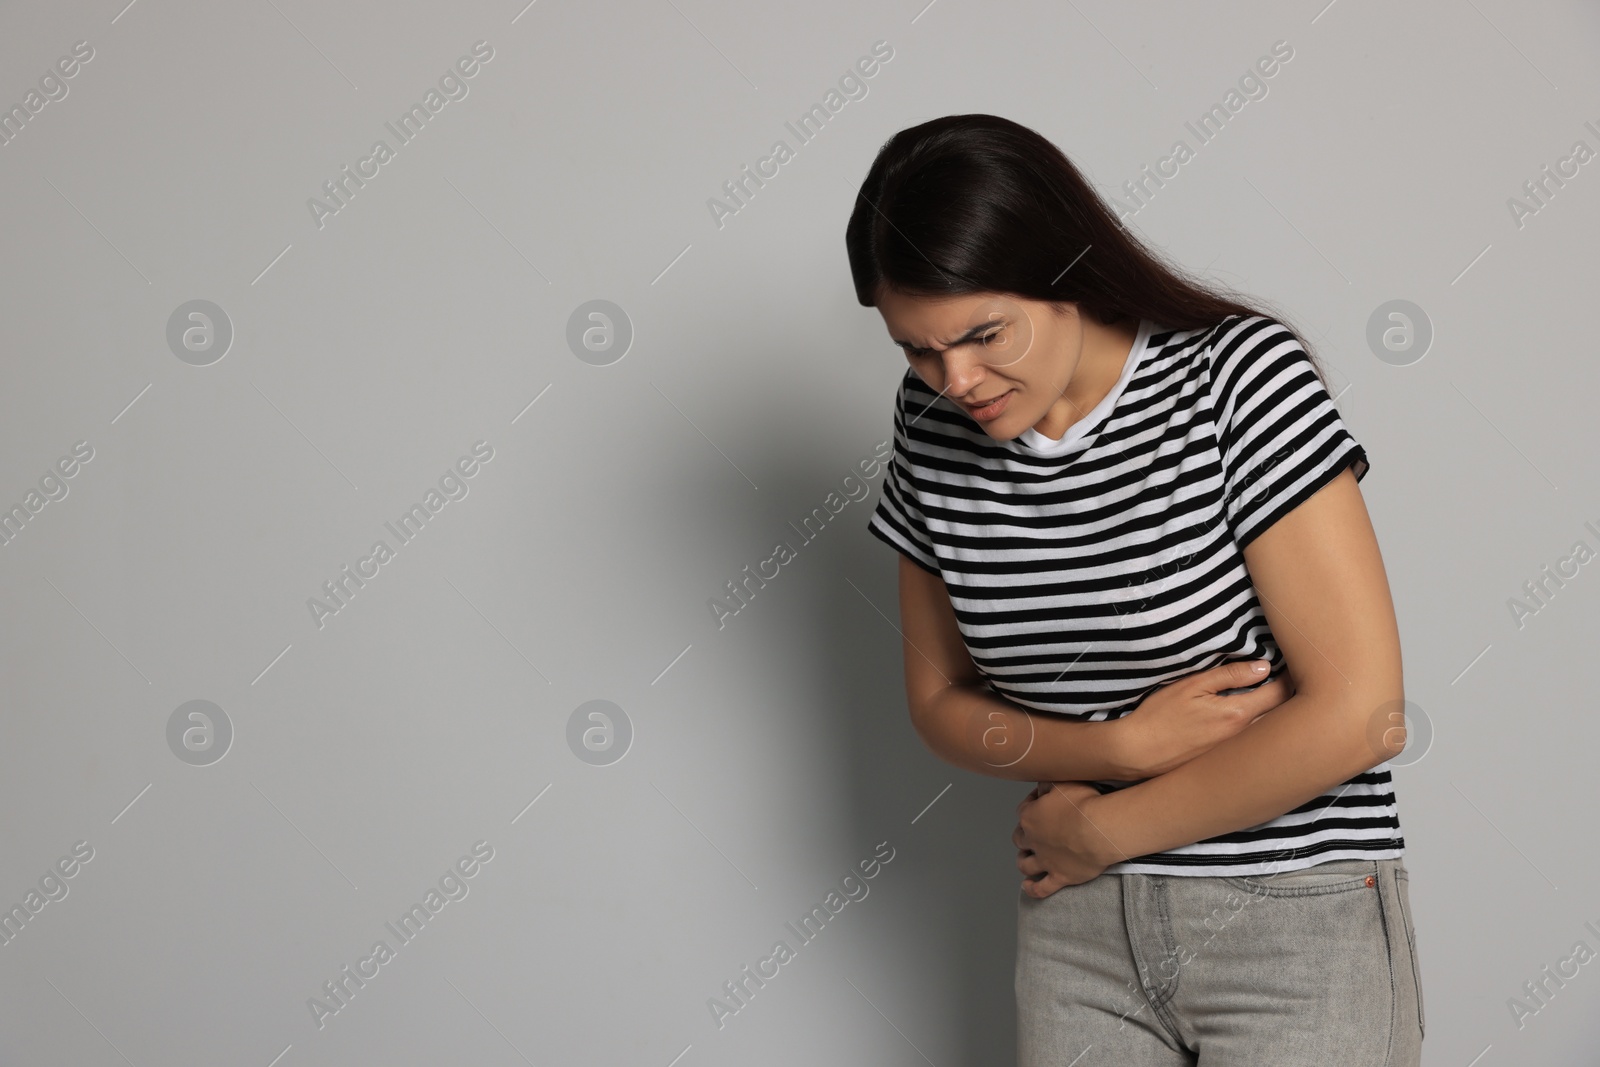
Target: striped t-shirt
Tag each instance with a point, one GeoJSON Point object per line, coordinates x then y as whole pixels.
{"type": "Point", "coordinates": [1088, 571]}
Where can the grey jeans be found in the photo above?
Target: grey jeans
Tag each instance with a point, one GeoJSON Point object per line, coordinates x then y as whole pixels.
{"type": "Point", "coordinates": [1306, 967]}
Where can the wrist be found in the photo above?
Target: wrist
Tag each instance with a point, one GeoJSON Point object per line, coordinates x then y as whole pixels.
{"type": "Point", "coordinates": [1100, 843]}
{"type": "Point", "coordinates": [1126, 749]}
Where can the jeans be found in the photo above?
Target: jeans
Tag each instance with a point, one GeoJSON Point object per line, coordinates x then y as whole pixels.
{"type": "Point", "coordinates": [1307, 967]}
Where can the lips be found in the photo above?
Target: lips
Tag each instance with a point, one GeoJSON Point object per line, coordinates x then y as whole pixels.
{"type": "Point", "coordinates": [989, 409]}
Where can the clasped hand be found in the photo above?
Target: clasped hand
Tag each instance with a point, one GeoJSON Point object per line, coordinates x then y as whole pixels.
{"type": "Point", "coordinates": [1057, 842]}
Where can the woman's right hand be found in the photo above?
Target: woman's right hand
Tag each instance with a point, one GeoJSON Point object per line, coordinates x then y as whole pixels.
{"type": "Point", "coordinates": [1184, 718]}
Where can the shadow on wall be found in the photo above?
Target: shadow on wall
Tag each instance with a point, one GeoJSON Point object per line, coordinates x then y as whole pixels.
{"type": "Point", "coordinates": [940, 925]}
{"type": "Point", "coordinates": [952, 926]}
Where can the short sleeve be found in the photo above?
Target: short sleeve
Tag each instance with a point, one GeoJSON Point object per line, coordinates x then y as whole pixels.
{"type": "Point", "coordinates": [1279, 433]}
{"type": "Point", "coordinates": [898, 520]}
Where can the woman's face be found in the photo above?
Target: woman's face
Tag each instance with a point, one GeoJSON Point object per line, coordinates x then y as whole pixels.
{"type": "Point", "coordinates": [1007, 361]}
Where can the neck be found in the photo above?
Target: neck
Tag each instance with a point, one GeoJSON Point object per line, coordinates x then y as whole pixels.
{"type": "Point", "coordinates": [1104, 354]}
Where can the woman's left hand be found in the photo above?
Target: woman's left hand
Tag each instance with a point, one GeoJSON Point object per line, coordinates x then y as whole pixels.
{"type": "Point", "coordinates": [1057, 843]}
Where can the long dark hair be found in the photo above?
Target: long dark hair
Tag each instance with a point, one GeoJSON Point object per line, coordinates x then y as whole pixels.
{"type": "Point", "coordinates": [980, 204]}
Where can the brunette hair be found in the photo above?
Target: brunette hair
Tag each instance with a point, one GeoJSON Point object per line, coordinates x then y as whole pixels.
{"type": "Point", "coordinates": [980, 204]}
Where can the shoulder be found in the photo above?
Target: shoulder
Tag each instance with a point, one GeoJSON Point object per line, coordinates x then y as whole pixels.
{"type": "Point", "coordinates": [1247, 337]}
{"type": "Point", "coordinates": [913, 395]}
{"type": "Point", "coordinates": [924, 416]}
{"type": "Point", "coordinates": [1244, 342]}
{"type": "Point", "coordinates": [1247, 353]}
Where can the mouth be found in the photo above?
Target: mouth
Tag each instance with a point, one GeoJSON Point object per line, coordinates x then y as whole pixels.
{"type": "Point", "coordinates": [989, 409]}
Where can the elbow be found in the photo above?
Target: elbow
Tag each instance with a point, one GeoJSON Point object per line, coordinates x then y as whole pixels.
{"type": "Point", "coordinates": [926, 724]}
{"type": "Point", "coordinates": [1374, 729]}
{"type": "Point", "coordinates": [1387, 731]}
{"type": "Point", "coordinates": [932, 724]}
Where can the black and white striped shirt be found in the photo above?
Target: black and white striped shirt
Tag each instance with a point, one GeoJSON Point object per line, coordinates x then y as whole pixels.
{"type": "Point", "coordinates": [1088, 571]}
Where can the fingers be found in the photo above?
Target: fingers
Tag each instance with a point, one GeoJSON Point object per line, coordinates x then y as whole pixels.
{"type": "Point", "coordinates": [1260, 701]}
{"type": "Point", "coordinates": [1033, 795]}
{"type": "Point", "coordinates": [1030, 864]}
{"type": "Point", "coordinates": [1234, 675]}
{"type": "Point", "coordinates": [1039, 888]}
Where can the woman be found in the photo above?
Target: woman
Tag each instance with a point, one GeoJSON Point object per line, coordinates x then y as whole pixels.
{"type": "Point", "coordinates": [1116, 490]}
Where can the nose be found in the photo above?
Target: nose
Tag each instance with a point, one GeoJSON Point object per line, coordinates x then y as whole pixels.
{"type": "Point", "coordinates": [963, 371]}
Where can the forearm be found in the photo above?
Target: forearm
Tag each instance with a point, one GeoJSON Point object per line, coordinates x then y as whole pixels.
{"type": "Point", "coordinates": [1309, 744]}
{"type": "Point", "coordinates": [976, 730]}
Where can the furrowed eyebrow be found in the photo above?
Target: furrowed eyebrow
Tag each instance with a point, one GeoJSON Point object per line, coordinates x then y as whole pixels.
{"type": "Point", "coordinates": [971, 335]}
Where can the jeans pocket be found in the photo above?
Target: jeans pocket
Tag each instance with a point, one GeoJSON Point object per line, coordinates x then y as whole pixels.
{"type": "Point", "coordinates": [1403, 880]}
{"type": "Point", "coordinates": [1311, 950]}
{"type": "Point", "coordinates": [1335, 876]}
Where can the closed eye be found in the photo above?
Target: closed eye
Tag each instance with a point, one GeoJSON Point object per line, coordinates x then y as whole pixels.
{"type": "Point", "coordinates": [919, 353]}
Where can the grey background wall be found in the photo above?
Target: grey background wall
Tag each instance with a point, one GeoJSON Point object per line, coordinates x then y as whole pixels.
{"type": "Point", "coordinates": [234, 856]}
